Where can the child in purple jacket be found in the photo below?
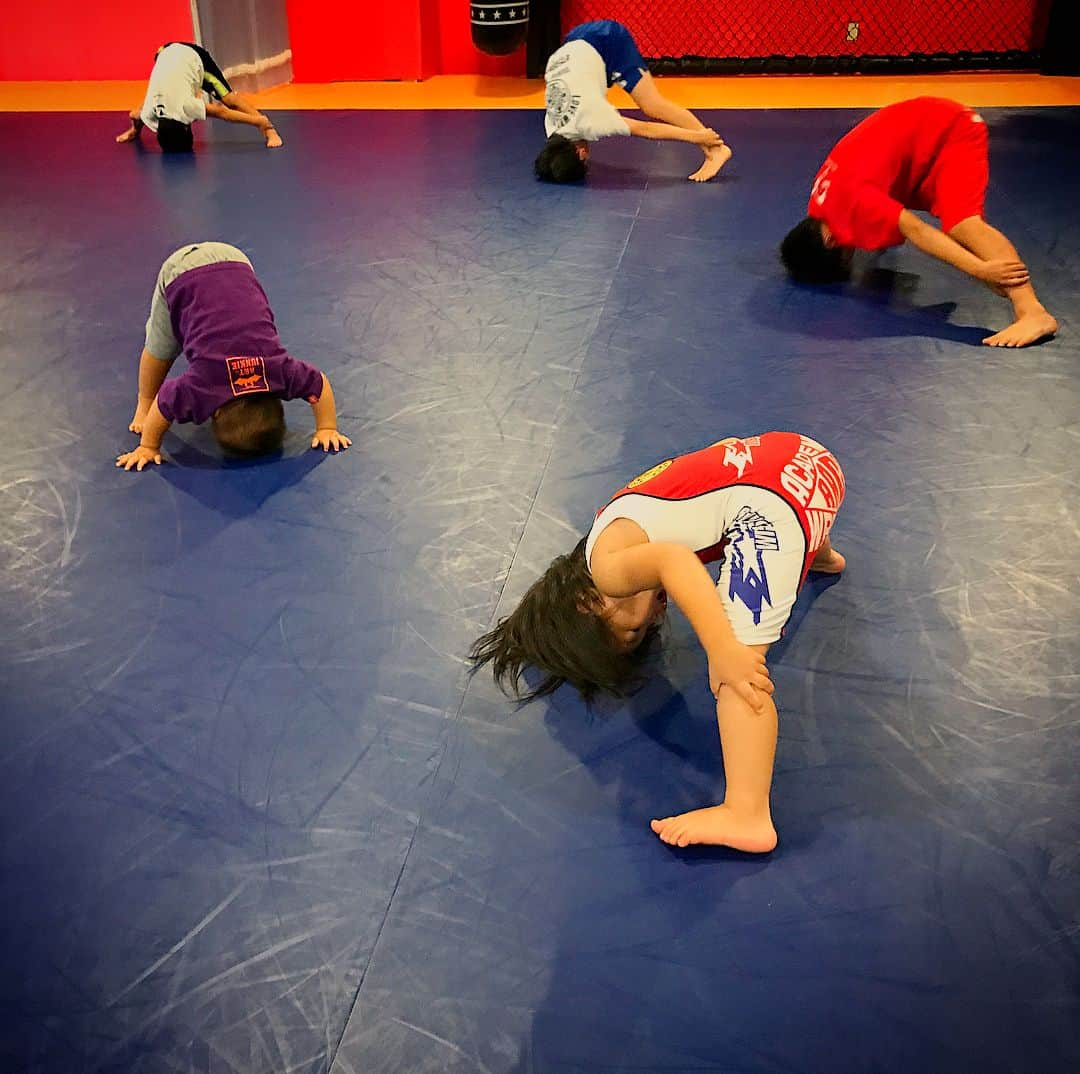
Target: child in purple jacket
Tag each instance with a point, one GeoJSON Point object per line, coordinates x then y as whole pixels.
{"type": "Point", "coordinates": [208, 304]}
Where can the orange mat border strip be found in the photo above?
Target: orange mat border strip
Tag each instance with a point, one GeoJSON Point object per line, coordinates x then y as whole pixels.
{"type": "Point", "coordinates": [479, 92]}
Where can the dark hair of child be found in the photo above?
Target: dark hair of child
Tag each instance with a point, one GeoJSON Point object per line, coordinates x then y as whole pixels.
{"type": "Point", "coordinates": [808, 259]}
{"type": "Point", "coordinates": [559, 162]}
{"type": "Point", "coordinates": [559, 629]}
{"type": "Point", "coordinates": [174, 136]}
{"type": "Point", "coordinates": [252, 425]}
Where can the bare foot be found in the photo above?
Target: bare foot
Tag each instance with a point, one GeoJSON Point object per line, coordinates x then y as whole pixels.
{"type": "Point", "coordinates": [273, 139]}
{"type": "Point", "coordinates": [830, 562]}
{"type": "Point", "coordinates": [717, 826]}
{"type": "Point", "coordinates": [1029, 328]}
{"type": "Point", "coordinates": [715, 158]}
{"type": "Point", "coordinates": [127, 136]}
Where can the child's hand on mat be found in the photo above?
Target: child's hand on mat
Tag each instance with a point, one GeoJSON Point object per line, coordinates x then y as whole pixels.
{"type": "Point", "coordinates": [330, 440]}
{"type": "Point", "coordinates": [1004, 273]}
{"type": "Point", "coordinates": [132, 132]}
{"type": "Point", "coordinates": [743, 669]}
{"type": "Point", "coordinates": [140, 457]}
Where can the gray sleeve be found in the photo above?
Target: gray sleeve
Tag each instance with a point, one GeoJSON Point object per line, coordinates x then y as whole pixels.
{"type": "Point", "coordinates": [160, 339]}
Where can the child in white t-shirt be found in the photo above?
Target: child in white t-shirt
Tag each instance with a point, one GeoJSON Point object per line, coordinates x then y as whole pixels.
{"type": "Point", "coordinates": [182, 72]}
{"type": "Point", "coordinates": [594, 56]}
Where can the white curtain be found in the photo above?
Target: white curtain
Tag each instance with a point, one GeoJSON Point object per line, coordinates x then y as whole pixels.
{"type": "Point", "coordinates": [248, 38]}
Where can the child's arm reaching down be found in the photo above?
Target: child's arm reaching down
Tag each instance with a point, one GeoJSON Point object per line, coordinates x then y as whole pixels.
{"type": "Point", "coordinates": [931, 240]}
{"type": "Point", "coordinates": [152, 374]}
{"type": "Point", "coordinates": [678, 570]}
{"type": "Point", "coordinates": [133, 130]}
{"type": "Point", "coordinates": [154, 427]}
{"type": "Point", "coordinates": [236, 110]}
{"type": "Point", "coordinates": [324, 410]}
{"type": "Point", "coordinates": [667, 132]}
{"type": "Point", "coordinates": [147, 421]}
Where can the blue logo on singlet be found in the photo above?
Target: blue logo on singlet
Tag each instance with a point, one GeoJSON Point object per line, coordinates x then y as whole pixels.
{"type": "Point", "coordinates": [751, 535]}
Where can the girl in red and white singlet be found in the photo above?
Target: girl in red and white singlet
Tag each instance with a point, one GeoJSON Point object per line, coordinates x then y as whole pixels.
{"type": "Point", "coordinates": [762, 507]}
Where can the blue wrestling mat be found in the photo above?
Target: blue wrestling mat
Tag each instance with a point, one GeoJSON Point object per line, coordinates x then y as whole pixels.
{"type": "Point", "coordinates": [255, 816]}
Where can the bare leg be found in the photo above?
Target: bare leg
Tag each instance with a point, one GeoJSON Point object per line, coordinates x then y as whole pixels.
{"type": "Point", "coordinates": [743, 820]}
{"type": "Point", "coordinates": [244, 111]}
{"type": "Point", "coordinates": [828, 560]}
{"type": "Point", "coordinates": [656, 106]}
{"type": "Point", "coordinates": [1033, 321]}
{"type": "Point", "coordinates": [133, 131]}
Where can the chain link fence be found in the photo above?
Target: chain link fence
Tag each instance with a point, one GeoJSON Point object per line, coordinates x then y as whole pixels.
{"type": "Point", "coordinates": [793, 36]}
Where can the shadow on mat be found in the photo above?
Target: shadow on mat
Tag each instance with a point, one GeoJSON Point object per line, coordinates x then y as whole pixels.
{"type": "Point", "coordinates": [877, 304]}
{"type": "Point", "coordinates": [669, 922]}
{"type": "Point", "coordinates": [237, 487]}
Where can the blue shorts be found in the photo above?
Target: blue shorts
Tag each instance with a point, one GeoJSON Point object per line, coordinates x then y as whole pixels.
{"type": "Point", "coordinates": [621, 56]}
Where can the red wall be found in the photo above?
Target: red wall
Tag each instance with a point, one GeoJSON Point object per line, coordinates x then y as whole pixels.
{"type": "Point", "coordinates": [343, 41]}
{"type": "Point", "coordinates": [407, 40]}
{"type": "Point", "coordinates": [331, 40]}
{"type": "Point", "coordinates": [446, 25]}
{"type": "Point", "coordinates": [77, 39]}
{"type": "Point", "coordinates": [719, 28]}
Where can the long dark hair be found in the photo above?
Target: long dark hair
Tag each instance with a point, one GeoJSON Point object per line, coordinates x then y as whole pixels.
{"type": "Point", "coordinates": [558, 629]}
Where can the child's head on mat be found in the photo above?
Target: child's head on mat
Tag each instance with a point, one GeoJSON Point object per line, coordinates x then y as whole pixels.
{"type": "Point", "coordinates": [567, 629]}
{"type": "Point", "coordinates": [811, 256]}
{"type": "Point", "coordinates": [174, 136]}
{"type": "Point", "coordinates": [252, 425]}
{"type": "Point", "coordinates": [562, 161]}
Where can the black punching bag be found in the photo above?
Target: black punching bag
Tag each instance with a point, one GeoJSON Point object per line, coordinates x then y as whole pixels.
{"type": "Point", "coordinates": [1059, 54]}
{"type": "Point", "coordinates": [499, 26]}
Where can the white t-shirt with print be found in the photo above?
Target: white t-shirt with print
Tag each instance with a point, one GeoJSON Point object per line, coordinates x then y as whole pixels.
{"type": "Point", "coordinates": [173, 92]}
{"type": "Point", "coordinates": [576, 99]}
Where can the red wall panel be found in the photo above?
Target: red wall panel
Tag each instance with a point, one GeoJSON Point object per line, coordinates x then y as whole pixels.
{"type": "Point", "coordinates": [447, 22]}
{"type": "Point", "coordinates": [719, 28]}
{"type": "Point", "coordinates": [331, 40]}
{"type": "Point", "coordinates": [80, 39]}
{"type": "Point", "coordinates": [346, 41]}
{"type": "Point", "coordinates": [338, 41]}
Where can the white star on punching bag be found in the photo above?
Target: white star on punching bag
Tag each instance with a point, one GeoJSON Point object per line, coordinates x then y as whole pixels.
{"type": "Point", "coordinates": [499, 28]}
